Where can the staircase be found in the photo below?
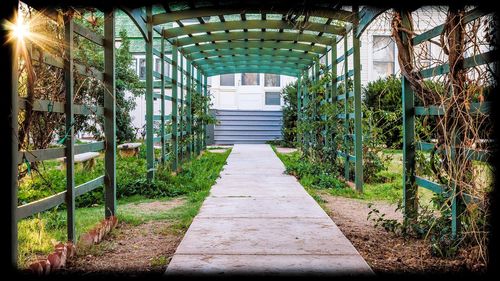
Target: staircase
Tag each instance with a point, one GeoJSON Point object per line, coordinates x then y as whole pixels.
{"type": "Point", "coordinates": [247, 126]}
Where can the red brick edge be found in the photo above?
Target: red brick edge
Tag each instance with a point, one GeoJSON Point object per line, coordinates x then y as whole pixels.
{"type": "Point", "coordinates": [65, 251]}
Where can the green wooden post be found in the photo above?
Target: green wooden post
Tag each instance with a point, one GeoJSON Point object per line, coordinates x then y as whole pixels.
{"type": "Point", "coordinates": [205, 93]}
{"type": "Point", "coordinates": [188, 108]}
{"type": "Point", "coordinates": [299, 104]}
{"type": "Point", "coordinates": [326, 136]}
{"type": "Point", "coordinates": [346, 110]}
{"type": "Point", "coordinates": [181, 109]}
{"type": "Point", "coordinates": [409, 186]}
{"type": "Point", "coordinates": [198, 126]}
{"type": "Point", "coordinates": [315, 111]}
{"type": "Point", "coordinates": [69, 135]}
{"type": "Point", "coordinates": [149, 95]}
{"type": "Point", "coordinates": [11, 60]}
{"type": "Point", "coordinates": [175, 115]}
{"type": "Point", "coordinates": [358, 132]}
{"type": "Point", "coordinates": [162, 105]}
{"type": "Point", "coordinates": [189, 118]}
{"type": "Point", "coordinates": [305, 117]}
{"type": "Point", "coordinates": [109, 114]}
{"type": "Point", "coordinates": [333, 95]}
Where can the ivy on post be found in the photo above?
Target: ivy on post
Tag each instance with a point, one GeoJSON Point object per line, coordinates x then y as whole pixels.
{"type": "Point", "coordinates": [205, 108]}
{"type": "Point", "coordinates": [181, 109]}
{"type": "Point", "coordinates": [69, 151]}
{"type": "Point", "coordinates": [333, 85]}
{"type": "Point", "coordinates": [199, 126]}
{"type": "Point", "coordinates": [175, 101]}
{"type": "Point", "coordinates": [149, 95]}
{"type": "Point", "coordinates": [409, 187]}
{"type": "Point", "coordinates": [299, 103]}
{"type": "Point", "coordinates": [189, 89]}
{"type": "Point", "coordinates": [358, 133]}
{"type": "Point", "coordinates": [305, 117]}
{"type": "Point", "coordinates": [109, 114]}
{"type": "Point", "coordinates": [162, 98]}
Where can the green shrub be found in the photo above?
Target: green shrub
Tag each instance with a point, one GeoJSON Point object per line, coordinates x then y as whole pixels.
{"type": "Point", "coordinates": [289, 94]}
{"type": "Point", "coordinates": [383, 99]}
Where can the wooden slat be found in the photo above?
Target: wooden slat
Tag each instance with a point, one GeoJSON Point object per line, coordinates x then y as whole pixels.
{"type": "Point", "coordinates": [56, 199]}
{"type": "Point", "coordinates": [475, 108]}
{"type": "Point", "coordinates": [40, 205]}
{"type": "Point", "coordinates": [435, 187]}
{"type": "Point", "coordinates": [469, 62]}
{"type": "Point", "coordinates": [469, 16]}
{"type": "Point", "coordinates": [89, 186]}
{"type": "Point", "coordinates": [58, 62]}
{"type": "Point", "coordinates": [58, 107]}
{"type": "Point", "coordinates": [158, 96]}
{"type": "Point", "coordinates": [53, 153]}
{"type": "Point", "coordinates": [88, 34]}
{"type": "Point", "coordinates": [342, 77]}
{"type": "Point", "coordinates": [158, 117]}
{"type": "Point", "coordinates": [342, 57]}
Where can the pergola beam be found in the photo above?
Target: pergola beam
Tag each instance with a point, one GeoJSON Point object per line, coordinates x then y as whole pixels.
{"type": "Point", "coordinates": [251, 24]}
{"type": "Point", "coordinates": [254, 44]}
{"type": "Point", "coordinates": [254, 62]}
{"type": "Point", "coordinates": [277, 71]}
{"type": "Point", "coordinates": [340, 15]}
{"type": "Point", "coordinates": [255, 59]}
{"type": "Point", "coordinates": [254, 35]}
{"type": "Point", "coordinates": [255, 67]}
{"type": "Point", "coordinates": [261, 52]}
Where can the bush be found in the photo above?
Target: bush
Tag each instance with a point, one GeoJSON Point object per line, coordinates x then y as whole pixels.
{"type": "Point", "coordinates": [289, 115]}
{"type": "Point", "coordinates": [383, 99]}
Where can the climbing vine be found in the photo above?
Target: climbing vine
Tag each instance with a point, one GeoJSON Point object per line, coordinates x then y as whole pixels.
{"type": "Point", "coordinates": [325, 133]}
{"type": "Point", "coordinates": [462, 130]}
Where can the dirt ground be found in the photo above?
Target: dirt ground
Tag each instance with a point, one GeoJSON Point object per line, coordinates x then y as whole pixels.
{"type": "Point", "coordinates": [143, 248]}
{"type": "Point", "coordinates": [385, 252]}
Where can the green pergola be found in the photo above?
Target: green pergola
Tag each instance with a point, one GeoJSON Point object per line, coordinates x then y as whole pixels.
{"type": "Point", "coordinates": [211, 38]}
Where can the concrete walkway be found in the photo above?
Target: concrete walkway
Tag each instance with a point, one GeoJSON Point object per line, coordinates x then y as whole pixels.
{"type": "Point", "coordinates": [258, 220]}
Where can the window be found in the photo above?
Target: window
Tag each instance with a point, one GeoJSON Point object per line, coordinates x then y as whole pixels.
{"type": "Point", "coordinates": [273, 98]}
{"type": "Point", "coordinates": [248, 79]}
{"type": "Point", "coordinates": [142, 69]}
{"type": "Point", "coordinates": [383, 56]}
{"type": "Point", "coordinates": [227, 80]}
{"type": "Point", "coordinates": [167, 69]}
{"type": "Point", "coordinates": [133, 65]}
{"type": "Point", "coordinates": [271, 80]}
{"type": "Point", "coordinates": [157, 67]}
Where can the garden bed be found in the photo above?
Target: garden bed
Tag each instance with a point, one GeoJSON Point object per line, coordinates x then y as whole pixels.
{"type": "Point", "coordinates": [385, 252]}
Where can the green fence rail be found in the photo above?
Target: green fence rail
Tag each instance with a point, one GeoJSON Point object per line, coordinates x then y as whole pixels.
{"type": "Point", "coordinates": [412, 181]}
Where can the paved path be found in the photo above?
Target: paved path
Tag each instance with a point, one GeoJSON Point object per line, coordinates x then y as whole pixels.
{"type": "Point", "coordinates": [259, 220]}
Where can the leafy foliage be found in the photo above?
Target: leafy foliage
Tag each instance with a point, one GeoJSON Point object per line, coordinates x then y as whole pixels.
{"type": "Point", "coordinates": [289, 94]}
{"type": "Point", "coordinates": [324, 134]}
{"type": "Point", "coordinates": [383, 100]}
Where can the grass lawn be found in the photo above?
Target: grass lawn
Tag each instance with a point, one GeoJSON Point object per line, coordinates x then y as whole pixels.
{"type": "Point", "coordinates": [38, 233]}
{"type": "Point", "coordinates": [391, 190]}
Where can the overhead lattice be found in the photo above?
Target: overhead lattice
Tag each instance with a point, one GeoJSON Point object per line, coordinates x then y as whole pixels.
{"type": "Point", "coordinates": [250, 36]}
